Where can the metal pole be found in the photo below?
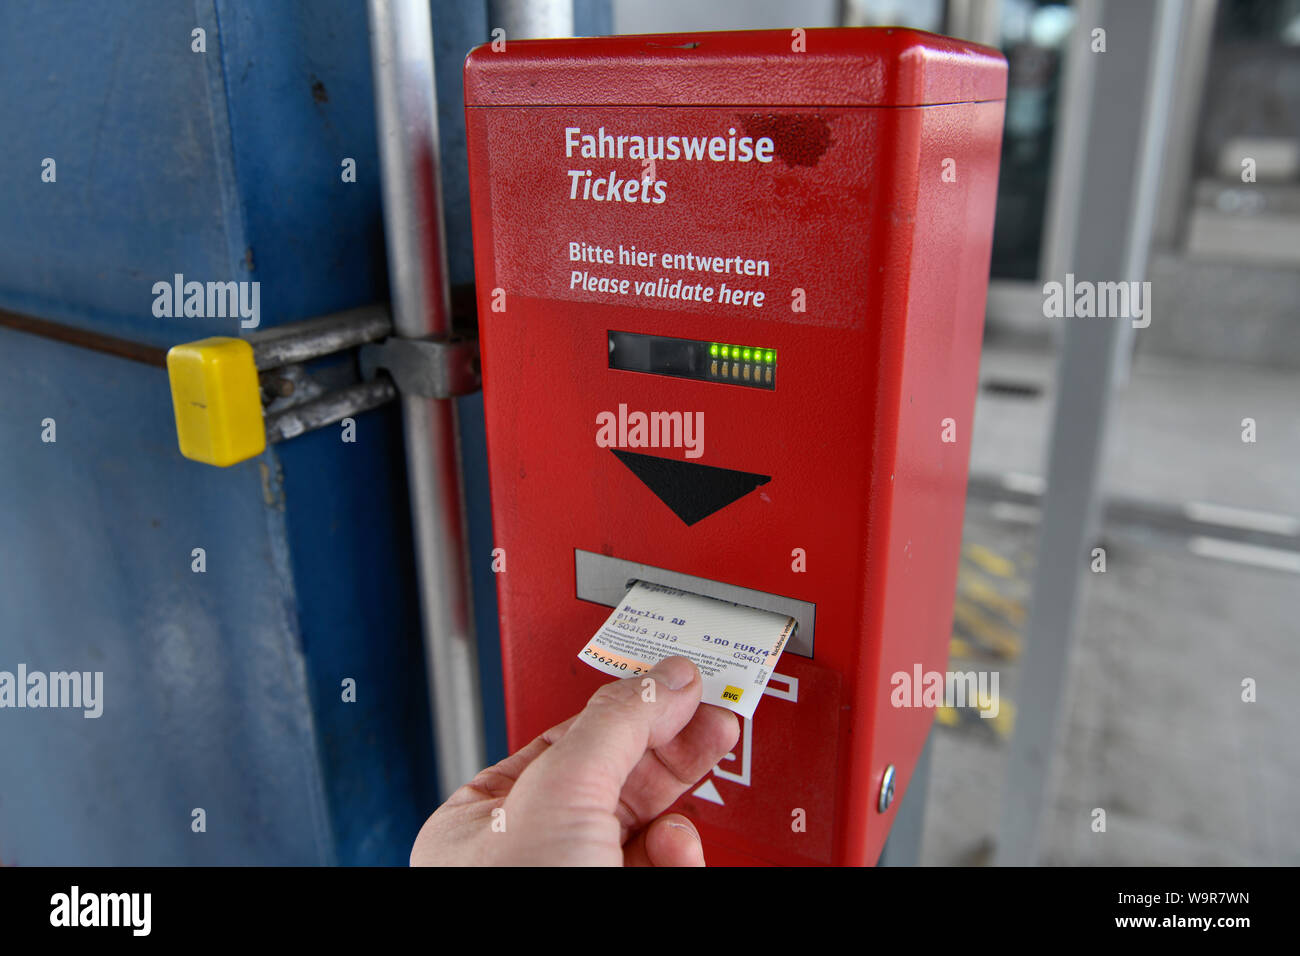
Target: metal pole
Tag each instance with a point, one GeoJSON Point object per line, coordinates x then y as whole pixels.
{"type": "Point", "coordinates": [334, 407]}
{"type": "Point", "coordinates": [531, 19]}
{"type": "Point", "coordinates": [1195, 45]}
{"type": "Point", "coordinates": [1150, 163]}
{"type": "Point", "coordinates": [297, 342]}
{"type": "Point", "coordinates": [976, 20]}
{"type": "Point", "coordinates": [401, 45]}
{"type": "Point", "coordinates": [1115, 123]}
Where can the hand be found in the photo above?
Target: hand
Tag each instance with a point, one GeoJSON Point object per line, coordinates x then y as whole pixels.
{"type": "Point", "coordinates": [589, 791]}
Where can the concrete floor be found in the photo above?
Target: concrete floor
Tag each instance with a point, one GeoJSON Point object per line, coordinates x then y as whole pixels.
{"type": "Point", "coordinates": [1155, 730]}
{"type": "Point", "coordinates": [1175, 433]}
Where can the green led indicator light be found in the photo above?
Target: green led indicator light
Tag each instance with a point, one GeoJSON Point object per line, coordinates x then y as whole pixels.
{"type": "Point", "coordinates": [746, 355]}
{"type": "Point", "coordinates": [726, 351]}
{"type": "Point", "coordinates": [713, 349]}
{"type": "Point", "coordinates": [771, 357]}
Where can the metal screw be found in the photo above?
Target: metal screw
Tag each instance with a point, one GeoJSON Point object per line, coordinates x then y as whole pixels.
{"type": "Point", "coordinates": [886, 790]}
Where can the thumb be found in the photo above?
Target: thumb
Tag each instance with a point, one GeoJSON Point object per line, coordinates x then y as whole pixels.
{"type": "Point", "coordinates": [587, 767]}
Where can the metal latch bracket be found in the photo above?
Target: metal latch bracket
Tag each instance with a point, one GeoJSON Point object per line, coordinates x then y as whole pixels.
{"type": "Point", "coordinates": [427, 367]}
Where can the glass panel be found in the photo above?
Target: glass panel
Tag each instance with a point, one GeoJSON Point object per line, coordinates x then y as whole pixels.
{"type": "Point", "coordinates": [1033, 39]}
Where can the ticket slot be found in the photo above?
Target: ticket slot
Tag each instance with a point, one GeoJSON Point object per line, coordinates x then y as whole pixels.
{"type": "Point", "coordinates": [602, 579]}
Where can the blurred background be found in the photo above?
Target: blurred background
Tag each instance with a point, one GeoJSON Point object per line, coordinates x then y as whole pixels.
{"type": "Point", "coordinates": [1121, 689]}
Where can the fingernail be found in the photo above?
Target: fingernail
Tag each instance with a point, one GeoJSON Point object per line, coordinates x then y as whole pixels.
{"type": "Point", "coordinates": [674, 672]}
{"type": "Point", "coordinates": [691, 830]}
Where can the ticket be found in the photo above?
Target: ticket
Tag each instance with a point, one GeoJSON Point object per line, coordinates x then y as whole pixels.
{"type": "Point", "coordinates": [735, 647]}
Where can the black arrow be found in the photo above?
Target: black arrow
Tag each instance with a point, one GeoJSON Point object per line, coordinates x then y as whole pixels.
{"type": "Point", "coordinates": [691, 490]}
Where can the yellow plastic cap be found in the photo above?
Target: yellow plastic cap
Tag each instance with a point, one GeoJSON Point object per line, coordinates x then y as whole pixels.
{"type": "Point", "coordinates": [217, 400]}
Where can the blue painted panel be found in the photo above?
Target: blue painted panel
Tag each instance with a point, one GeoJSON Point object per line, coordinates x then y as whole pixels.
{"type": "Point", "coordinates": [300, 100]}
{"type": "Point", "coordinates": [593, 18]}
{"type": "Point", "coordinates": [205, 692]}
{"type": "Point", "coordinates": [347, 518]}
{"type": "Point", "coordinates": [143, 187]}
{"type": "Point", "coordinates": [222, 688]}
{"type": "Point", "coordinates": [458, 27]}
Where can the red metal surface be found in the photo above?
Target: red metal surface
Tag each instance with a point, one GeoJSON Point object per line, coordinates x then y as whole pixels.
{"type": "Point", "coordinates": [892, 258]}
{"type": "Point", "coordinates": [894, 67]}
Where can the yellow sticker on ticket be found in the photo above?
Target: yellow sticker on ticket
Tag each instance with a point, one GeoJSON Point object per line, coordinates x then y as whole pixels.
{"type": "Point", "coordinates": [735, 647]}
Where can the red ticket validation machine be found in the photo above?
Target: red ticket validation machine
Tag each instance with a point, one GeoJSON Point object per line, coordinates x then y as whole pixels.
{"type": "Point", "coordinates": [731, 292]}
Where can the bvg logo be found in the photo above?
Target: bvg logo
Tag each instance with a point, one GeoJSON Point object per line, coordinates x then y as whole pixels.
{"type": "Point", "coordinates": [732, 694]}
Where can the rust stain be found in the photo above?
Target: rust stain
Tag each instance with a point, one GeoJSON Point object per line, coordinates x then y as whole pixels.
{"type": "Point", "coordinates": [272, 487]}
{"type": "Point", "coordinates": [798, 139]}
